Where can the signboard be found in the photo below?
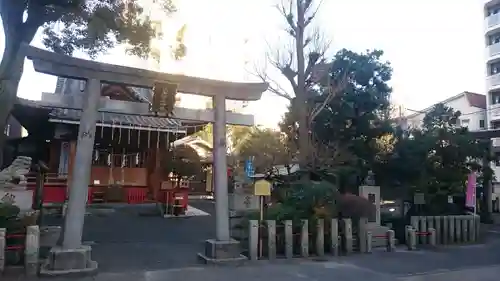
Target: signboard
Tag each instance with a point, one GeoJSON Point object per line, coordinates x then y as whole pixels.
{"type": "Point", "coordinates": [419, 199]}
{"type": "Point", "coordinates": [470, 193]}
{"type": "Point", "coordinates": [262, 188]}
{"type": "Point", "coordinates": [249, 170]}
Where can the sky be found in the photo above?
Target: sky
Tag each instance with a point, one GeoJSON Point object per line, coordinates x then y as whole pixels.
{"type": "Point", "coordinates": [436, 48]}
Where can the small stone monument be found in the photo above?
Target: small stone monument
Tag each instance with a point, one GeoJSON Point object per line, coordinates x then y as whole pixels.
{"type": "Point", "coordinates": [13, 185]}
{"type": "Point", "coordinates": [241, 202]}
{"type": "Point", "coordinates": [372, 192]}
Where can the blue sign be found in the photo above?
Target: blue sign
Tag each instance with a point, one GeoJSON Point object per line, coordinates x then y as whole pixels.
{"type": "Point", "coordinates": [249, 168]}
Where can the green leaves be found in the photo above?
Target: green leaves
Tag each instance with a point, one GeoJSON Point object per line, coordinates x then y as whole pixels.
{"type": "Point", "coordinates": [92, 26]}
{"type": "Point", "coordinates": [434, 159]}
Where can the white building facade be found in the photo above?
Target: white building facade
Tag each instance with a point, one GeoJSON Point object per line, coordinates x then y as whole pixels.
{"type": "Point", "coordinates": [492, 65]}
{"type": "Point", "coordinates": [472, 107]}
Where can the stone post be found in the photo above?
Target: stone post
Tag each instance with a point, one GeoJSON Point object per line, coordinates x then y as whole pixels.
{"type": "Point", "coordinates": [472, 231]}
{"type": "Point", "coordinates": [415, 223]}
{"type": "Point", "coordinates": [334, 236]}
{"type": "Point", "coordinates": [477, 226]}
{"type": "Point", "coordinates": [432, 237]}
{"type": "Point", "coordinates": [31, 250]}
{"type": "Point", "coordinates": [451, 229]}
{"type": "Point", "coordinates": [288, 239]}
{"type": "Point", "coordinates": [304, 239]}
{"type": "Point", "coordinates": [348, 241]}
{"type": "Point", "coordinates": [458, 229]}
{"type": "Point", "coordinates": [362, 228]}
{"type": "Point", "coordinates": [253, 240]}
{"type": "Point", "coordinates": [412, 239]}
{"type": "Point", "coordinates": [271, 239]}
{"type": "Point", "coordinates": [430, 222]}
{"type": "Point", "coordinates": [391, 241]}
{"type": "Point", "coordinates": [465, 229]}
{"type": "Point", "coordinates": [369, 237]}
{"type": "Point", "coordinates": [3, 233]}
{"type": "Point", "coordinates": [439, 233]}
{"type": "Point", "coordinates": [423, 228]}
{"type": "Point", "coordinates": [320, 237]}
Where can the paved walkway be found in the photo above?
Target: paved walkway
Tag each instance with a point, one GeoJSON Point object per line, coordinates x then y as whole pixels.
{"type": "Point", "coordinates": [130, 238]}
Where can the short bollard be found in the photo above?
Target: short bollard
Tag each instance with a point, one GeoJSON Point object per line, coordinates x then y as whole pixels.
{"type": "Point", "coordinates": [304, 239]}
{"type": "Point", "coordinates": [369, 237]}
{"type": "Point", "coordinates": [391, 241]}
{"type": "Point", "coordinates": [362, 234]}
{"type": "Point", "coordinates": [334, 237]}
{"type": "Point", "coordinates": [458, 229]}
{"type": "Point", "coordinates": [271, 239]}
{"type": "Point", "coordinates": [288, 239]}
{"type": "Point", "coordinates": [348, 241]}
{"type": "Point", "coordinates": [412, 239]}
{"type": "Point", "coordinates": [253, 243]}
{"type": "Point", "coordinates": [320, 237]}
{"type": "Point", "coordinates": [472, 231]}
{"type": "Point", "coordinates": [31, 251]}
{"type": "Point", "coordinates": [432, 237]}
{"type": "Point", "coordinates": [465, 229]}
{"type": "Point", "coordinates": [3, 233]}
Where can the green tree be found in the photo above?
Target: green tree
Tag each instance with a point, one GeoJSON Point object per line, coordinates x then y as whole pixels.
{"type": "Point", "coordinates": [302, 64]}
{"type": "Point", "coordinates": [348, 130]}
{"type": "Point", "coordinates": [434, 159]}
{"type": "Point", "coordinates": [267, 147]}
{"type": "Point", "coordinates": [92, 26]}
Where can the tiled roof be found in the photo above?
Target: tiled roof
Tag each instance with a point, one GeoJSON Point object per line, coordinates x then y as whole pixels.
{"type": "Point", "coordinates": [476, 100]}
{"type": "Point", "coordinates": [119, 119]}
{"type": "Point", "coordinates": [108, 118]}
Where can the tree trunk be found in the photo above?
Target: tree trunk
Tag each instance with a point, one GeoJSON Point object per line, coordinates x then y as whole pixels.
{"type": "Point", "coordinates": [304, 151]}
{"type": "Point", "coordinates": [11, 70]}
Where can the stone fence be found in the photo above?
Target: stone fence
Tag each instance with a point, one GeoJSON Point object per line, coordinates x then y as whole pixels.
{"type": "Point", "coordinates": [442, 230]}
{"type": "Point", "coordinates": [31, 249]}
{"type": "Point", "coordinates": [332, 237]}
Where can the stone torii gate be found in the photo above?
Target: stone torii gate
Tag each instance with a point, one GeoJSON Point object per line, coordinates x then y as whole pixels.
{"type": "Point", "coordinates": [72, 256]}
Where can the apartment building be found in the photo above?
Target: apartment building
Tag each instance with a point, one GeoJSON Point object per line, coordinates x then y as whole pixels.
{"type": "Point", "coordinates": [471, 105]}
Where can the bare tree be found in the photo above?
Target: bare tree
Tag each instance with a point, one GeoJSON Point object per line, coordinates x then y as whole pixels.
{"type": "Point", "coordinates": [302, 62]}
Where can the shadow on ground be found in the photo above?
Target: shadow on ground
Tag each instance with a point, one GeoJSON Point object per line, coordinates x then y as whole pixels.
{"type": "Point", "coordinates": [128, 238]}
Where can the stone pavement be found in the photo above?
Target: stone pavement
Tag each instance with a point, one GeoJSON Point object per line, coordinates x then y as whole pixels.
{"type": "Point", "coordinates": [156, 249]}
{"type": "Point", "coordinates": [126, 238]}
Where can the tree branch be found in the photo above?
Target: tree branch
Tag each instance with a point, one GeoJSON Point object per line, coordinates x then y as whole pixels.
{"type": "Point", "coordinates": [287, 14]}
{"type": "Point", "coordinates": [274, 86]}
{"type": "Point", "coordinates": [311, 17]}
{"type": "Point", "coordinates": [334, 88]}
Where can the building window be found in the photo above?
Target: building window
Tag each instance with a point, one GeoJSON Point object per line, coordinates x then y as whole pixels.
{"type": "Point", "coordinates": [495, 98]}
{"type": "Point", "coordinates": [482, 124]}
{"type": "Point", "coordinates": [497, 158]}
{"type": "Point", "coordinates": [465, 122]}
{"type": "Point", "coordinates": [494, 39]}
{"type": "Point", "coordinates": [493, 10]}
{"type": "Point", "coordinates": [494, 68]}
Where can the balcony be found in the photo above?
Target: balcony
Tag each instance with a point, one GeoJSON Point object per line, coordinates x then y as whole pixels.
{"type": "Point", "coordinates": [493, 50]}
{"type": "Point", "coordinates": [495, 142]}
{"type": "Point", "coordinates": [492, 21]}
{"type": "Point", "coordinates": [493, 82]}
